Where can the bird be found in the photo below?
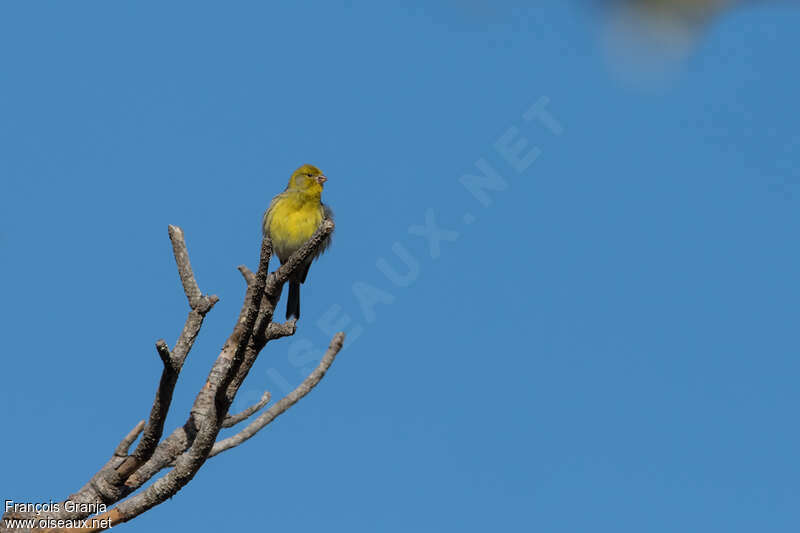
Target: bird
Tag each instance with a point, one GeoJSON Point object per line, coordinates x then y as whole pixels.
{"type": "Point", "coordinates": [291, 219]}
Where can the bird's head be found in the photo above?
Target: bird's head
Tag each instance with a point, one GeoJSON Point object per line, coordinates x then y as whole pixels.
{"type": "Point", "coordinates": [308, 179]}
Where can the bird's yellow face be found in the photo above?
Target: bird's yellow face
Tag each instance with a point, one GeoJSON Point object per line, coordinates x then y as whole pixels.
{"type": "Point", "coordinates": [307, 179]}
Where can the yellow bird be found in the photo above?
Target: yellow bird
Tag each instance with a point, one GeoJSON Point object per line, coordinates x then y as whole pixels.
{"type": "Point", "coordinates": [291, 219]}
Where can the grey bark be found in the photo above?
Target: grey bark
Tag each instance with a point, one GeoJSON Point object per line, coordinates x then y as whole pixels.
{"type": "Point", "coordinates": [187, 448]}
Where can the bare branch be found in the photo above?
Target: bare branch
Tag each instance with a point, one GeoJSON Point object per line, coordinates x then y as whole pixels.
{"type": "Point", "coordinates": [276, 331]}
{"type": "Point", "coordinates": [125, 444]}
{"type": "Point", "coordinates": [266, 308]}
{"type": "Point", "coordinates": [190, 287]}
{"type": "Point", "coordinates": [232, 420]}
{"type": "Point", "coordinates": [163, 352]}
{"type": "Point", "coordinates": [158, 414]}
{"type": "Point", "coordinates": [173, 363]}
{"type": "Point", "coordinates": [265, 330]}
{"type": "Point", "coordinates": [107, 485]}
{"type": "Point", "coordinates": [207, 413]}
{"type": "Point", "coordinates": [189, 446]}
{"type": "Point", "coordinates": [182, 437]}
{"type": "Point", "coordinates": [257, 292]}
{"type": "Point", "coordinates": [249, 277]}
{"type": "Point", "coordinates": [289, 400]}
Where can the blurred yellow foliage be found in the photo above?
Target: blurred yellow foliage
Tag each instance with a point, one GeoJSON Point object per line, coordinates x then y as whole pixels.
{"type": "Point", "coordinates": [648, 40]}
{"type": "Point", "coordinates": [687, 10]}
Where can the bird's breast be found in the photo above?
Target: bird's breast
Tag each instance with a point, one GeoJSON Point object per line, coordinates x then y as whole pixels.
{"type": "Point", "coordinates": [292, 224]}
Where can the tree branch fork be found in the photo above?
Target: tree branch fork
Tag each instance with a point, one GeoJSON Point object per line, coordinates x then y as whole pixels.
{"type": "Point", "coordinates": [187, 448]}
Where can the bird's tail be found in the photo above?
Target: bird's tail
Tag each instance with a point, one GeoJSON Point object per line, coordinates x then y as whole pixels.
{"type": "Point", "coordinates": [293, 303]}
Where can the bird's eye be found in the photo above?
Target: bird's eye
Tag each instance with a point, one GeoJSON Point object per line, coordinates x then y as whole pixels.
{"type": "Point", "coordinates": [309, 175]}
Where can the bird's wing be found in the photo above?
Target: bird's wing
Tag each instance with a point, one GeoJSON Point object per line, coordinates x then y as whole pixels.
{"type": "Point", "coordinates": [327, 213]}
{"type": "Point", "coordinates": [268, 212]}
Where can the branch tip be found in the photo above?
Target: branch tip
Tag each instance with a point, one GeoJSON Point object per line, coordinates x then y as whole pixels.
{"type": "Point", "coordinates": [196, 299]}
{"type": "Point", "coordinates": [232, 420]}
{"type": "Point", "coordinates": [277, 331]}
{"type": "Point", "coordinates": [163, 352]}
{"type": "Point", "coordinates": [248, 275]}
{"type": "Point", "coordinates": [286, 402]}
{"type": "Point", "coordinates": [125, 443]}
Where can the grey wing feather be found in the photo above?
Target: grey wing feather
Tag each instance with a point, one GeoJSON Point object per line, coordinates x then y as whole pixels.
{"type": "Point", "coordinates": [328, 213]}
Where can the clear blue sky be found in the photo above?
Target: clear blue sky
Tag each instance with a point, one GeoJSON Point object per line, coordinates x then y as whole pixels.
{"type": "Point", "coordinates": [611, 343]}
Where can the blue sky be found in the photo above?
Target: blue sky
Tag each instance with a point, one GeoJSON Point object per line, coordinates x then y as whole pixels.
{"type": "Point", "coordinates": [610, 343]}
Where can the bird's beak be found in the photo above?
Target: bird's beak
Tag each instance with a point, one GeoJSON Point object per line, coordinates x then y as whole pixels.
{"type": "Point", "coordinates": [321, 179]}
